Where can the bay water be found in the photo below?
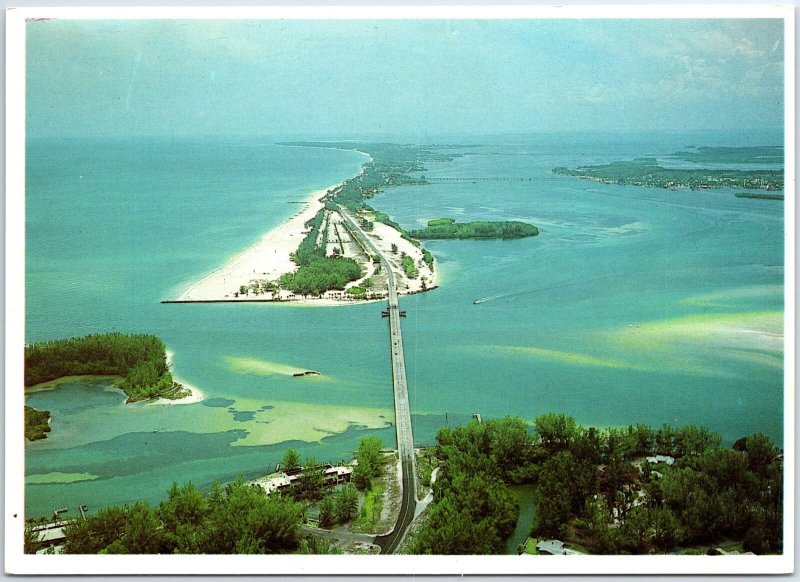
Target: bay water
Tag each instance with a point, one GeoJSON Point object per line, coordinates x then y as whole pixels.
{"type": "Point", "coordinates": [632, 305]}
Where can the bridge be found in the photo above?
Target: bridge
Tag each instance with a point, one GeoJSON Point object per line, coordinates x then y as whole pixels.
{"type": "Point", "coordinates": [405, 439]}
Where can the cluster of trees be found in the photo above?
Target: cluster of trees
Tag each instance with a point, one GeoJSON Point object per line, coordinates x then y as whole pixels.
{"type": "Point", "coordinates": [322, 275]}
{"type": "Point", "coordinates": [474, 511]}
{"type": "Point", "coordinates": [360, 291]}
{"type": "Point", "coordinates": [235, 519]}
{"type": "Point", "coordinates": [37, 423]}
{"type": "Point", "coordinates": [258, 286]}
{"type": "Point", "coordinates": [595, 487]}
{"type": "Point", "coordinates": [447, 228]}
{"type": "Point", "coordinates": [735, 155]}
{"type": "Point", "coordinates": [318, 273]}
{"type": "Point", "coordinates": [370, 462]}
{"type": "Point", "coordinates": [409, 267]}
{"type": "Point", "coordinates": [647, 172]}
{"type": "Point", "coordinates": [140, 359]}
{"type": "Point", "coordinates": [339, 507]}
{"type": "Point", "coordinates": [590, 488]}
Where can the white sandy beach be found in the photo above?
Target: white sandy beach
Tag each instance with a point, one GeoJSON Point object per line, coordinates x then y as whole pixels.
{"type": "Point", "coordinates": [269, 258]}
{"type": "Point", "coordinates": [193, 398]}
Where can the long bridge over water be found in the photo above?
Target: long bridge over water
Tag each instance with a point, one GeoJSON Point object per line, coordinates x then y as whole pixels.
{"type": "Point", "coordinates": [405, 439]}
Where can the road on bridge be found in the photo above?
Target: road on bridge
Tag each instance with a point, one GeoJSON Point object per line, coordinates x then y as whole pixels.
{"type": "Point", "coordinates": [405, 439]}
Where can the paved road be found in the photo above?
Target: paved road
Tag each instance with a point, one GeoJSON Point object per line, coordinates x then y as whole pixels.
{"type": "Point", "coordinates": [345, 536]}
{"type": "Point", "coordinates": [402, 410]}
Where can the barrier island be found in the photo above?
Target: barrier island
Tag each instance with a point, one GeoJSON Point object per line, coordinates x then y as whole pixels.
{"type": "Point", "coordinates": [323, 254]}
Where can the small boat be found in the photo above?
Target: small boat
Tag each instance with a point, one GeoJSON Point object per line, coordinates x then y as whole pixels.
{"type": "Point", "coordinates": [306, 373]}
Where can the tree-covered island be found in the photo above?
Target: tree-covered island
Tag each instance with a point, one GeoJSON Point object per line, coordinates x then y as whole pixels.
{"type": "Point", "coordinates": [731, 155]}
{"type": "Point", "coordinates": [448, 228]}
{"type": "Point", "coordinates": [648, 172]}
{"type": "Point", "coordinates": [139, 361]}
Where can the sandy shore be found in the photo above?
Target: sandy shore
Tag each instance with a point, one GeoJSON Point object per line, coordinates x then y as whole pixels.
{"type": "Point", "coordinates": [193, 398]}
{"type": "Point", "coordinates": [269, 258]}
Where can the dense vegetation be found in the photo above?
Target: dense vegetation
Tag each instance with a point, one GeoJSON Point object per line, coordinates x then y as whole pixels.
{"type": "Point", "coordinates": [647, 172]}
{"type": "Point", "coordinates": [735, 155]}
{"type": "Point", "coordinates": [391, 165]}
{"type": "Point", "coordinates": [37, 423]}
{"type": "Point", "coordinates": [370, 462]}
{"type": "Point", "coordinates": [235, 519]}
{"type": "Point", "coordinates": [322, 275]}
{"type": "Point", "coordinates": [141, 360]}
{"type": "Point", "coordinates": [318, 273]}
{"type": "Point", "coordinates": [596, 490]}
{"type": "Point", "coordinates": [447, 228]}
{"type": "Point", "coordinates": [409, 267]}
{"type": "Point", "coordinates": [473, 510]}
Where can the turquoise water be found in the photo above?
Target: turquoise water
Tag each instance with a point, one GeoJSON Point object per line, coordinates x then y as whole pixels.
{"type": "Point", "coordinates": [632, 305]}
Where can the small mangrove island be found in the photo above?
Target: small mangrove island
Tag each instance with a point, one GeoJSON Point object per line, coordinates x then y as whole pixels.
{"type": "Point", "coordinates": [448, 228]}
{"type": "Point", "coordinates": [138, 361]}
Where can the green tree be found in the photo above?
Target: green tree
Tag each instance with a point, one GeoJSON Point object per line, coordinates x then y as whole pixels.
{"type": "Point", "coordinates": [317, 545]}
{"type": "Point", "coordinates": [30, 539]}
{"type": "Point", "coordinates": [369, 464]}
{"type": "Point", "coordinates": [666, 529]}
{"type": "Point", "coordinates": [346, 503]}
{"type": "Point", "coordinates": [95, 533]}
{"type": "Point", "coordinates": [182, 514]}
{"type": "Point", "coordinates": [760, 451]}
{"type": "Point", "coordinates": [565, 484]}
{"type": "Point", "coordinates": [450, 531]}
{"type": "Point", "coordinates": [142, 533]}
{"type": "Point", "coordinates": [327, 512]}
{"type": "Point", "coordinates": [556, 431]}
{"type": "Point", "coordinates": [310, 483]}
{"type": "Point", "coordinates": [247, 521]}
{"type": "Point", "coordinates": [291, 460]}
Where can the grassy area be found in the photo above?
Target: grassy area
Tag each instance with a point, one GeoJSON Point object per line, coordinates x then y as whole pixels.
{"type": "Point", "coordinates": [371, 508]}
{"type": "Point", "coordinates": [530, 547]}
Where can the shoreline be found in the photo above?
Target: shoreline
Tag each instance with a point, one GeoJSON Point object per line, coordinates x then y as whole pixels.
{"type": "Point", "coordinates": [268, 257]}
{"type": "Point", "coordinates": [114, 380]}
{"type": "Point", "coordinates": [195, 396]}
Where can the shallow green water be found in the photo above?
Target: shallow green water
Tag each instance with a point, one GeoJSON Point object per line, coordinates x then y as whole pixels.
{"type": "Point", "coordinates": [632, 305]}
